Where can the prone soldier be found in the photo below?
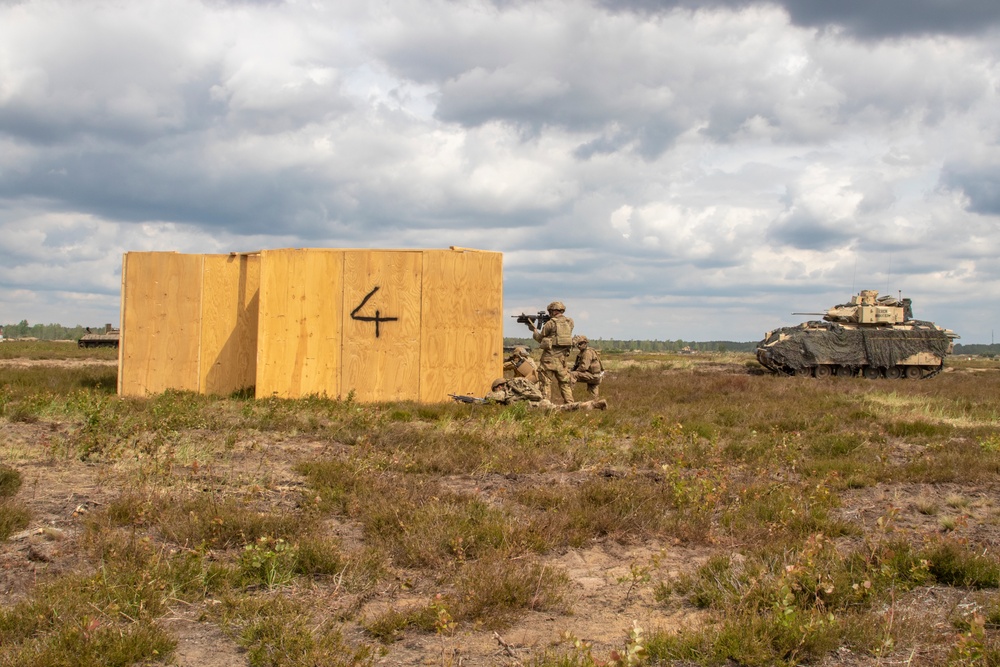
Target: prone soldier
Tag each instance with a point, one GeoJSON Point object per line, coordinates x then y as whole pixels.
{"type": "Point", "coordinates": [506, 391]}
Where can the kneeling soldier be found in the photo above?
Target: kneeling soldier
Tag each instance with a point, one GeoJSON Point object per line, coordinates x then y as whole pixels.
{"type": "Point", "coordinates": [588, 367]}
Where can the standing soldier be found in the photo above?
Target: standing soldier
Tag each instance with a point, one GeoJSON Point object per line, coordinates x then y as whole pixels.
{"type": "Point", "coordinates": [588, 367]}
{"type": "Point", "coordinates": [522, 364]}
{"type": "Point", "coordinates": [555, 338]}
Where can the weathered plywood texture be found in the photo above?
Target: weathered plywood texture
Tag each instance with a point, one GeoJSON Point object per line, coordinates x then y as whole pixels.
{"type": "Point", "coordinates": [461, 349]}
{"type": "Point", "coordinates": [160, 323]}
{"type": "Point", "coordinates": [381, 325]}
{"type": "Point", "coordinates": [299, 327]}
{"type": "Point", "coordinates": [229, 306]}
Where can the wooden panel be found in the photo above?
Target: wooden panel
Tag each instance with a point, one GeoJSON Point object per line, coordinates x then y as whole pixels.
{"type": "Point", "coordinates": [161, 323]}
{"type": "Point", "coordinates": [381, 351]}
{"type": "Point", "coordinates": [462, 323]}
{"type": "Point", "coordinates": [230, 292]}
{"type": "Point", "coordinates": [299, 327]}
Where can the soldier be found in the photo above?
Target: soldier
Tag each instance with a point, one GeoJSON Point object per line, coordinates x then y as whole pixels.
{"type": "Point", "coordinates": [555, 338]}
{"type": "Point", "coordinates": [506, 391]}
{"type": "Point", "coordinates": [522, 364]}
{"type": "Point", "coordinates": [588, 367]}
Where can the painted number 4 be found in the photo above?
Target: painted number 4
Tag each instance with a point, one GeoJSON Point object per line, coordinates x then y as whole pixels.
{"type": "Point", "coordinates": [377, 319]}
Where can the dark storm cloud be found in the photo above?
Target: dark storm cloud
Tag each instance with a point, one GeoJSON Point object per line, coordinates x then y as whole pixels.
{"type": "Point", "coordinates": [571, 102]}
{"type": "Point", "coordinates": [981, 184]}
{"type": "Point", "coordinates": [133, 188]}
{"type": "Point", "coordinates": [807, 232]}
{"type": "Point", "coordinates": [866, 19]}
{"type": "Point", "coordinates": [175, 186]}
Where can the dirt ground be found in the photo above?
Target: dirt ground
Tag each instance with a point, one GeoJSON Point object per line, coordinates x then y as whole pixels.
{"type": "Point", "coordinates": [606, 598]}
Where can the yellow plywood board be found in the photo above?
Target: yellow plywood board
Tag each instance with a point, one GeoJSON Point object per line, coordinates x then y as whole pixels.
{"type": "Point", "coordinates": [300, 319]}
{"type": "Point", "coordinates": [161, 323]}
{"type": "Point", "coordinates": [381, 325]}
{"type": "Point", "coordinates": [230, 294]}
{"type": "Point", "coordinates": [462, 323]}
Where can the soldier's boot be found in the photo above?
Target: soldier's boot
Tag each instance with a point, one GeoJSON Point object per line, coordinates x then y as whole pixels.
{"type": "Point", "coordinates": [600, 405]}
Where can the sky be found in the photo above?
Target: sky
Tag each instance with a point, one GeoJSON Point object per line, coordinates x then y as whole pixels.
{"type": "Point", "coordinates": [669, 169]}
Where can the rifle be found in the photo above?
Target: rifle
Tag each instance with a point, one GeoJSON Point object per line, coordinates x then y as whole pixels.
{"type": "Point", "coordinates": [467, 399]}
{"type": "Point", "coordinates": [533, 321]}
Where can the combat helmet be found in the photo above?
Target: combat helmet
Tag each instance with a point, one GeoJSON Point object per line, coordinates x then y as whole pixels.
{"type": "Point", "coordinates": [497, 383]}
{"type": "Point", "coordinates": [580, 339]}
{"type": "Point", "coordinates": [520, 351]}
{"type": "Point", "coordinates": [556, 305]}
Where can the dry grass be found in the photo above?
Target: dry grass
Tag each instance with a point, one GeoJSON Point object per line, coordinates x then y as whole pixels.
{"type": "Point", "coordinates": [814, 508]}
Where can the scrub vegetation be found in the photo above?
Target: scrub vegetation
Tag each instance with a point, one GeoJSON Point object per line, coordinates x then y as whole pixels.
{"type": "Point", "coordinates": [713, 515]}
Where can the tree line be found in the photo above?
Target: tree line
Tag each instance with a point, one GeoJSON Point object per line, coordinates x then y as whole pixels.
{"type": "Point", "coordinates": [45, 331]}
{"type": "Point", "coordinates": [613, 345]}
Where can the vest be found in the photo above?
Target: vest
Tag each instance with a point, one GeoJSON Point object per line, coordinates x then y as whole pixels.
{"type": "Point", "coordinates": [564, 332]}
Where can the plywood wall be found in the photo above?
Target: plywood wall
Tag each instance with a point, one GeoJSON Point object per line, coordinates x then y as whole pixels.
{"type": "Point", "coordinates": [160, 323]}
{"type": "Point", "coordinates": [378, 325]}
{"type": "Point", "coordinates": [462, 338]}
{"type": "Point", "coordinates": [189, 322]}
{"type": "Point", "coordinates": [381, 318]}
{"type": "Point", "coordinates": [299, 329]}
{"type": "Point", "coordinates": [229, 307]}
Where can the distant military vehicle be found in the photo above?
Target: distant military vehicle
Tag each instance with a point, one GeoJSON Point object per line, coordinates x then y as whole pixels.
{"type": "Point", "coordinates": [108, 338]}
{"type": "Point", "coordinates": [873, 336]}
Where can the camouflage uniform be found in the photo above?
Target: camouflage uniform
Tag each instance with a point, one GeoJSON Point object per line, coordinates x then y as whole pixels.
{"type": "Point", "coordinates": [588, 367]}
{"type": "Point", "coordinates": [555, 338]}
{"type": "Point", "coordinates": [516, 390]}
{"type": "Point", "coordinates": [522, 364]}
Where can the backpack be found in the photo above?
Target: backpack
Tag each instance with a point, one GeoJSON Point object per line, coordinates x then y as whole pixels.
{"type": "Point", "coordinates": [597, 361]}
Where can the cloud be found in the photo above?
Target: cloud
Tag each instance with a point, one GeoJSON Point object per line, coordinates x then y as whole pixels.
{"type": "Point", "coordinates": [667, 166]}
{"type": "Point", "coordinates": [858, 18]}
{"type": "Point", "coordinates": [980, 183]}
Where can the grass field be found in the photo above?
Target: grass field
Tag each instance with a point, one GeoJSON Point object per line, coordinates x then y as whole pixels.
{"type": "Point", "coordinates": [713, 515]}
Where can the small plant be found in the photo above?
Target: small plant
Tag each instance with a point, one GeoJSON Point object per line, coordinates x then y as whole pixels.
{"type": "Point", "coordinates": [638, 575]}
{"type": "Point", "coordinates": [957, 501]}
{"type": "Point", "coordinates": [269, 562]}
{"type": "Point", "coordinates": [635, 652]}
{"type": "Point", "coordinates": [926, 506]}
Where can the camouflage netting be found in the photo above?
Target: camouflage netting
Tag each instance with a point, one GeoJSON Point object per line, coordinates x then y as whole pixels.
{"type": "Point", "coordinates": [824, 342]}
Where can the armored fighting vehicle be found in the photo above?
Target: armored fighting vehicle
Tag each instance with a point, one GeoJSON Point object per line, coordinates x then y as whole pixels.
{"type": "Point", "coordinates": [873, 336]}
{"type": "Point", "coordinates": [107, 338]}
